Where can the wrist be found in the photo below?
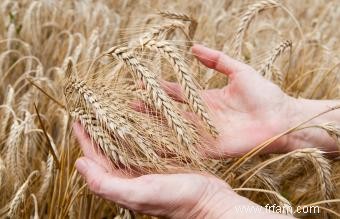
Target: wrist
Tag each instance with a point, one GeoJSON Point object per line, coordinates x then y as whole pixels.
{"type": "Point", "coordinates": [216, 202]}
{"type": "Point", "coordinates": [220, 201]}
{"type": "Point", "coordinates": [300, 110]}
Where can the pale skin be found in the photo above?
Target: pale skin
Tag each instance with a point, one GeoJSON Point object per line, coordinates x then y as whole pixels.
{"type": "Point", "coordinates": [248, 111]}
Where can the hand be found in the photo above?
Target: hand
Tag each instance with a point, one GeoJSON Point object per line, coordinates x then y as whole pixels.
{"type": "Point", "coordinates": [190, 195]}
{"type": "Point", "coordinates": [248, 111]}
{"type": "Point", "coordinates": [172, 195]}
{"type": "Point", "coordinates": [251, 110]}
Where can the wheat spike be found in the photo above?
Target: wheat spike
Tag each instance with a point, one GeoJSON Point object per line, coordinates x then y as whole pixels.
{"type": "Point", "coordinates": [20, 195]}
{"type": "Point", "coordinates": [160, 99]}
{"type": "Point", "coordinates": [322, 168]}
{"type": "Point", "coordinates": [96, 133]}
{"type": "Point", "coordinates": [175, 15]}
{"type": "Point", "coordinates": [245, 21]}
{"type": "Point", "coordinates": [6, 116]}
{"type": "Point", "coordinates": [185, 78]}
{"type": "Point", "coordinates": [45, 185]}
{"type": "Point", "coordinates": [13, 146]}
{"type": "Point", "coordinates": [156, 31]}
{"type": "Point", "coordinates": [112, 118]}
{"type": "Point", "coordinates": [116, 153]}
{"type": "Point", "coordinates": [266, 68]}
{"type": "Point", "coordinates": [183, 17]}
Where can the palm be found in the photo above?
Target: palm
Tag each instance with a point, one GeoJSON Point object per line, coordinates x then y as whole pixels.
{"type": "Point", "coordinates": [245, 112]}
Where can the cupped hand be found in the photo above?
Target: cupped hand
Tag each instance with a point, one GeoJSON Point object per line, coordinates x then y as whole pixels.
{"type": "Point", "coordinates": [246, 112]}
{"type": "Point", "coordinates": [183, 195]}
{"type": "Point", "coordinates": [190, 195]}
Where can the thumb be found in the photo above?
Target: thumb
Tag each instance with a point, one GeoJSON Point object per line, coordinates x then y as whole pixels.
{"type": "Point", "coordinates": [219, 61]}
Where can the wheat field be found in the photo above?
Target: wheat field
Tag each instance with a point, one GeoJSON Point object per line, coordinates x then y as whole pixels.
{"type": "Point", "coordinates": [65, 61]}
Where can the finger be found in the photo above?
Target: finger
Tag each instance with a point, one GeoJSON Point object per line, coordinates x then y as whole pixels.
{"type": "Point", "coordinates": [89, 148]}
{"type": "Point", "coordinates": [84, 139]}
{"type": "Point", "coordinates": [217, 60]}
{"type": "Point", "coordinates": [174, 90]}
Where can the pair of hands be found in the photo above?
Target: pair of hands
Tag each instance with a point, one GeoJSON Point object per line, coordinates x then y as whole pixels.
{"type": "Point", "coordinates": [248, 111]}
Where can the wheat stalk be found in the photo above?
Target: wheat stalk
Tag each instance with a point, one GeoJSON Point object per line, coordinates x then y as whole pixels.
{"type": "Point", "coordinates": [185, 78]}
{"type": "Point", "coordinates": [36, 211]}
{"type": "Point", "coordinates": [246, 18]}
{"type": "Point", "coordinates": [283, 202]}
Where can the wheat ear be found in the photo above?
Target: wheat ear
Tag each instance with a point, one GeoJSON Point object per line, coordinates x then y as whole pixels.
{"type": "Point", "coordinates": [185, 78]}
{"type": "Point", "coordinates": [102, 138]}
{"type": "Point", "coordinates": [20, 195]}
{"type": "Point", "coordinates": [160, 99]}
{"type": "Point", "coordinates": [13, 145]}
{"type": "Point", "coordinates": [266, 68]}
{"type": "Point", "coordinates": [112, 118]}
{"type": "Point", "coordinates": [6, 116]}
{"type": "Point", "coordinates": [107, 144]}
{"type": "Point", "coordinates": [156, 31]}
{"type": "Point", "coordinates": [183, 17]}
{"type": "Point", "coordinates": [45, 186]}
{"type": "Point", "coordinates": [245, 21]}
{"type": "Point", "coordinates": [322, 167]}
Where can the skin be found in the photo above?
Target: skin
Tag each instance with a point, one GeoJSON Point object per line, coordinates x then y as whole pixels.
{"type": "Point", "coordinates": [248, 111]}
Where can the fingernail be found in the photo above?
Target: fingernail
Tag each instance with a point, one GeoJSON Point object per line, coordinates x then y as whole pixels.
{"type": "Point", "coordinates": [81, 165]}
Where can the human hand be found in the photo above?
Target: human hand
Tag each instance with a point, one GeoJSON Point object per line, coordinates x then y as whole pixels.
{"type": "Point", "coordinates": [246, 112]}
{"type": "Point", "coordinates": [187, 195]}
{"type": "Point", "coordinates": [250, 110]}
